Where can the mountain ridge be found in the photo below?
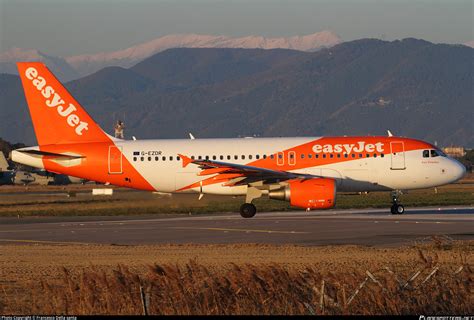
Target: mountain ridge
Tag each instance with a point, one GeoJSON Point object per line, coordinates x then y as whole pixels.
{"type": "Point", "coordinates": [77, 66]}
{"type": "Point", "coordinates": [129, 56]}
{"type": "Point", "coordinates": [412, 87]}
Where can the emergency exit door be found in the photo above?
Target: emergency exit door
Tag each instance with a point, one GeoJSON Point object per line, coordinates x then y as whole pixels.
{"type": "Point", "coordinates": [398, 155]}
{"type": "Point", "coordinates": [115, 160]}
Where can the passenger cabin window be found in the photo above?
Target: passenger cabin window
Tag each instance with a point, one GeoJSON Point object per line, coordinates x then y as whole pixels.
{"type": "Point", "coordinates": [257, 156]}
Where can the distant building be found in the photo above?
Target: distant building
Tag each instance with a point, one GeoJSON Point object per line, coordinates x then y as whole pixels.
{"type": "Point", "coordinates": [456, 152]}
{"type": "Point", "coordinates": [382, 102]}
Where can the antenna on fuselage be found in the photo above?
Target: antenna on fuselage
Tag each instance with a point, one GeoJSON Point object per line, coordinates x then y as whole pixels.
{"type": "Point", "coordinates": [390, 134]}
{"type": "Point", "coordinates": [191, 136]}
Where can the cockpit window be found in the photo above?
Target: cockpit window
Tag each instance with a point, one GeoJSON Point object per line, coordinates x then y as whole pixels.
{"type": "Point", "coordinates": [434, 153]}
{"type": "Point", "coordinates": [441, 153]}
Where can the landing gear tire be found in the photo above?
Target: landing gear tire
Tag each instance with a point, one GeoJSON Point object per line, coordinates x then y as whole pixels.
{"type": "Point", "coordinates": [247, 210]}
{"type": "Point", "coordinates": [397, 209]}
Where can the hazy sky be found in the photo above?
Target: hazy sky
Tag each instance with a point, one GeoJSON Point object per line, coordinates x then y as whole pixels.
{"type": "Point", "coordinates": [70, 27]}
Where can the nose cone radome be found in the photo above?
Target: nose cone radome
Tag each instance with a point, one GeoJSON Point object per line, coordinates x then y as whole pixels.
{"type": "Point", "coordinates": [458, 170]}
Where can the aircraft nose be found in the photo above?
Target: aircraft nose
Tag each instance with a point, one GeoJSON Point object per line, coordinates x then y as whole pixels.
{"type": "Point", "coordinates": [458, 170]}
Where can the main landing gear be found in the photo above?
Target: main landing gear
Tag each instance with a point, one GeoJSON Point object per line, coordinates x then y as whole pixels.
{"type": "Point", "coordinates": [396, 207]}
{"type": "Point", "coordinates": [247, 210]}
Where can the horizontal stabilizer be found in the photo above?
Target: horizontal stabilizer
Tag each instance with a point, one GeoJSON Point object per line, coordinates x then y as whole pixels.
{"type": "Point", "coordinates": [51, 155]}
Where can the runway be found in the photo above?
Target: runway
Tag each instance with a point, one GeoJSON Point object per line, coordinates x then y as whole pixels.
{"type": "Point", "coordinates": [360, 227]}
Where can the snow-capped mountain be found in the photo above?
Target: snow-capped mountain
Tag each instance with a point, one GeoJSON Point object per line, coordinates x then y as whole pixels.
{"type": "Point", "coordinates": [58, 65]}
{"type": "Point", "coordinates": [89, 63]}
{"type": "Point", "coordinates": [470, 44]}
{"type": "Point", "coordinates": [73, 67]}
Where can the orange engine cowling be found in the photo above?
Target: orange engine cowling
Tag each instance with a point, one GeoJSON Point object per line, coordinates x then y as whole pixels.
{"type": "Point", "coordinates": [317, 193]}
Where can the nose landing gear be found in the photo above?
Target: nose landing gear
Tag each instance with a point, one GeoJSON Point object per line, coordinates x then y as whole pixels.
{"type": "Point", "coordinates": [396, 207]}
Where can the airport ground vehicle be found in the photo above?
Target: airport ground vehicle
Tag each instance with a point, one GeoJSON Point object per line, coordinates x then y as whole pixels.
{"type": "Point", "coordinates": [307, 172]}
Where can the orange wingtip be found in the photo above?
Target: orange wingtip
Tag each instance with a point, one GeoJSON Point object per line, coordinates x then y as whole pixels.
{"type": "Point", "coordinates": [186, 160]}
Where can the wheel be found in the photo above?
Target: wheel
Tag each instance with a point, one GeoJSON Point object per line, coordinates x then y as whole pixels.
{"type": "Point", "coordinates": [247, 210]}
{"type": "Point", "coordinates": [400, 209]}
{"type": "Point", "coordinates": [397, 209]}
{"type": "Point", "coordinates": [392, 209]}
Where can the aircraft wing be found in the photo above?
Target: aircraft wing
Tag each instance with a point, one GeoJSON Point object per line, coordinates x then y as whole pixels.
{"type": "Point", "coordinates": [239, 174]}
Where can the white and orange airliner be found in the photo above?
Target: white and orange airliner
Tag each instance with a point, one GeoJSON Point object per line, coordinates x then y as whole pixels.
{"type": "Point", "coordinates": [307, 172]}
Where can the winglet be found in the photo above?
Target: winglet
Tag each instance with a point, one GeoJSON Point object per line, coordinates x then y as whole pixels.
{"type": "Point", "coordinates": [186, 160]}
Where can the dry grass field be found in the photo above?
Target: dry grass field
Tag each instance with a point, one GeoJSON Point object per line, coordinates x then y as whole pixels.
{"type": "Point", "coordinates": [429, 278]}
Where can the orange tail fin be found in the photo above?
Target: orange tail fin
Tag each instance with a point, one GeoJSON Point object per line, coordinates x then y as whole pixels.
{"type": "Point", "coordinates": [57, 117]}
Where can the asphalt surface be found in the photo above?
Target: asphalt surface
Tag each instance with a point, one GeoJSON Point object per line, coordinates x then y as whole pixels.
{"type": "Point", "coordinates": [365, 227]}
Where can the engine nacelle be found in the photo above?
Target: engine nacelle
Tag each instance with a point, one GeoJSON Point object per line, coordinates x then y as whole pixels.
{"type": "Point", "coordinates": [317, 193]}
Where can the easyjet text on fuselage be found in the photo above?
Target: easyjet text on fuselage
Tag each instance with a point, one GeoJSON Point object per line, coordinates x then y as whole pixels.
{"type": "Point", "coordinates": [360, 146]}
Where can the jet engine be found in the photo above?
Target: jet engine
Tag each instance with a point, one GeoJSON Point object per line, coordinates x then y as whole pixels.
{"type": "Point", "coordinates": [317, 193]}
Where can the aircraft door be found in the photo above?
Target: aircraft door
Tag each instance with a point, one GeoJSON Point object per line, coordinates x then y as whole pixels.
{"type": "Point", "coordinates": [115, 160]}
{"type": "Point", "coordinates": [397, 155]}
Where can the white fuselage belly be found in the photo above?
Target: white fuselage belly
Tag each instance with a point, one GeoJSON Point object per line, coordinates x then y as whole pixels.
{"type": "Point", "coordinates": [357, 175]}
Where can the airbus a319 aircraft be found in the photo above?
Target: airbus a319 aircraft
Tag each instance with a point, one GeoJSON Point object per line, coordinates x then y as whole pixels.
{"type": "Point", "coordinates": [307, 172]}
